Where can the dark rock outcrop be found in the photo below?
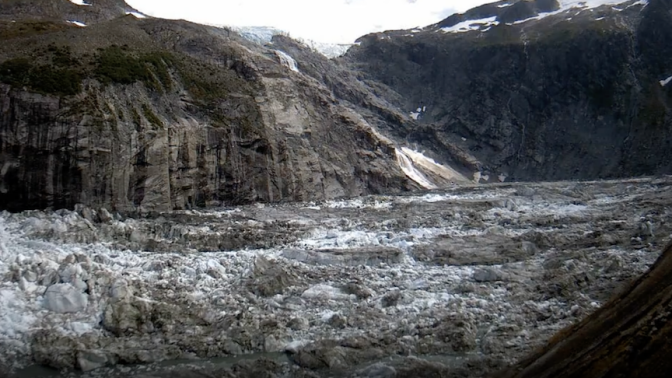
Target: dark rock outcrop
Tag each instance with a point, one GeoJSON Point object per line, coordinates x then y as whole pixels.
{"type": "Point", "coordinates": [630, 336]}
{"type": "Point", "coordinates": [536, 92]}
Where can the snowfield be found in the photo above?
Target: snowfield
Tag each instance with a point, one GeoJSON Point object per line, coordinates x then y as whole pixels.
{"type": "Point", "coordinates": [481, 274]}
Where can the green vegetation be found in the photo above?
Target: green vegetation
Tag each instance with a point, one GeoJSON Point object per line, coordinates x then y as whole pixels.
{"type": "Point", "coordinates": [601, 96]}
{"type": "Point", "coordinates": [116, 64]}
{"type": "Point", "coordinates": [55, 69]}
{"type": "Point", "coordinates": [153, 119]}
{"type": "Point", "coordinates": [62, 56]}
{"type": "Point", "coordinates": [48, 79]}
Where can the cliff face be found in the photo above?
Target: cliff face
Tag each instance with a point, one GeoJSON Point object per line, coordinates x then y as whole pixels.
{"type": "Point", "coordinates": [154, 114]}
{"type": "Point", "coordinates": [537, 90]}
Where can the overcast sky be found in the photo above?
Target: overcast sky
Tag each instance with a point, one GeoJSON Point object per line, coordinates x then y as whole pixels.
{"type": "Point", "coordinates": [337, 21]}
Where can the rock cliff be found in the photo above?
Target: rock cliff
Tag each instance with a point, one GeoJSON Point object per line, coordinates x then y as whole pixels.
{"type": "Point", "coordinates": [536, 90]}
{"type": "Point", "coordinates": [140, 113]}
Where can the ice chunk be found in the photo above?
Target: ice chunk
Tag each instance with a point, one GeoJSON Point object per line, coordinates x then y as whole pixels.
{"type": "Point", "coordinates": [325, 292]}
{"type": "Point", "coordinates": [65, 298]}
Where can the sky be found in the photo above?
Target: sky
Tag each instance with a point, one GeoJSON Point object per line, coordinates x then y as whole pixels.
{"type": "Point", "coordinates": [330, 21]}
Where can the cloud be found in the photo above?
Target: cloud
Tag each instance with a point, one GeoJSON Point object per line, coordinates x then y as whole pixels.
{"type": "Point", "coordinates": [337, 21]}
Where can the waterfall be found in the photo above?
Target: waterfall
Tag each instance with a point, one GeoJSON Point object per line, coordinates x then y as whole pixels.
{"type": "Point", "coordinates": [409, 169]}
{"type": "Point", "coordinates": [287, 60]}
{"type": "Point", "coordinates": [409, 161]}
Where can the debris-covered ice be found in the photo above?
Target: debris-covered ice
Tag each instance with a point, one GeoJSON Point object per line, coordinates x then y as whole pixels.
{"type": "Point", "coordinates": [488, 271]}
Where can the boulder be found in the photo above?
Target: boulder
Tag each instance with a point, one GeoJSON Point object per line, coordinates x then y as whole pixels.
{"type": "Point", "coordinates": [88, 360]}
{"type": "Point", "coordinates": [269, 278]}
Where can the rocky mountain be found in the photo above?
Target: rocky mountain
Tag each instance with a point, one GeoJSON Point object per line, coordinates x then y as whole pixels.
{"type": "Point", "coordinates": [122, 130]}
{"type": "Point", "coordinates": [85, 12]}
{"type": "Point", "coordinates": [536, 90]}
{"type": "Point", "coordinates": [141, 113]}
{"type": "Point", "coordinates": [104, 106]}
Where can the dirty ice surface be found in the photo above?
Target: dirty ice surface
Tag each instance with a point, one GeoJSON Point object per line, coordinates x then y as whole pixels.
{"type": "Point", "coordinates": [497, 267]}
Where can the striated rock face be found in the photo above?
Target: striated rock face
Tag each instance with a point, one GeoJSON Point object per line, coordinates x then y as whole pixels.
{"type": "Point", "coordinates": [536, 90]}
{"type": "Point", "coordinates": [174, 116]}
{"type": "Point", "coordinates": [628, 337]}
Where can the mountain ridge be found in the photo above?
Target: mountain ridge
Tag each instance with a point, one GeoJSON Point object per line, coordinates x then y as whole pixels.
{"type": "Point", "coordinates": [572, 92]}
{"type": "Point", "coordinates": [570, 95]}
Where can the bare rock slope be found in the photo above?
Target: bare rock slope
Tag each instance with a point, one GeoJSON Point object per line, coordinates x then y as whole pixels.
{"type": "Point", "coordinates": [142, 113]}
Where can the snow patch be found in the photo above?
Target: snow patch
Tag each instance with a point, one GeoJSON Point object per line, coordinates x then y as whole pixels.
{"type": "Point", "coordinates": [566, 5]}
{"type": "Point", "coordinates": [287, 60]}
{"type": "Point", "coordinates": [137, 14]}
{"type": "Point", "coordinates": [418, 112]}
{"type": "Point", "coordinates": [77, 23]}
{"type": "Point", "coordinates": [469, 25]}
{"type": "Point", "coordinates": [79, 2]}
{"type": "Point", "coordinates": [588, 4]}
{"type": "Point", "coordinates": [666, 81]}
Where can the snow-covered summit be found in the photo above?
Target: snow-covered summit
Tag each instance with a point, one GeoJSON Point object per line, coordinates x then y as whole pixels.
{"type": "Point", "coordinates": [516, 12]}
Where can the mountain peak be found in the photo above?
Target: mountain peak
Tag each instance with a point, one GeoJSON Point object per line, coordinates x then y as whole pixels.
{"type": "Point", "coordinates": [82, 12]}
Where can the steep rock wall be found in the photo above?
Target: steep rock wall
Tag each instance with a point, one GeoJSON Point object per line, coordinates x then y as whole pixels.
{"type": "Point", "coordinates": [572, 95]}
{"type": "Point", "coordinates": [205, 121]}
